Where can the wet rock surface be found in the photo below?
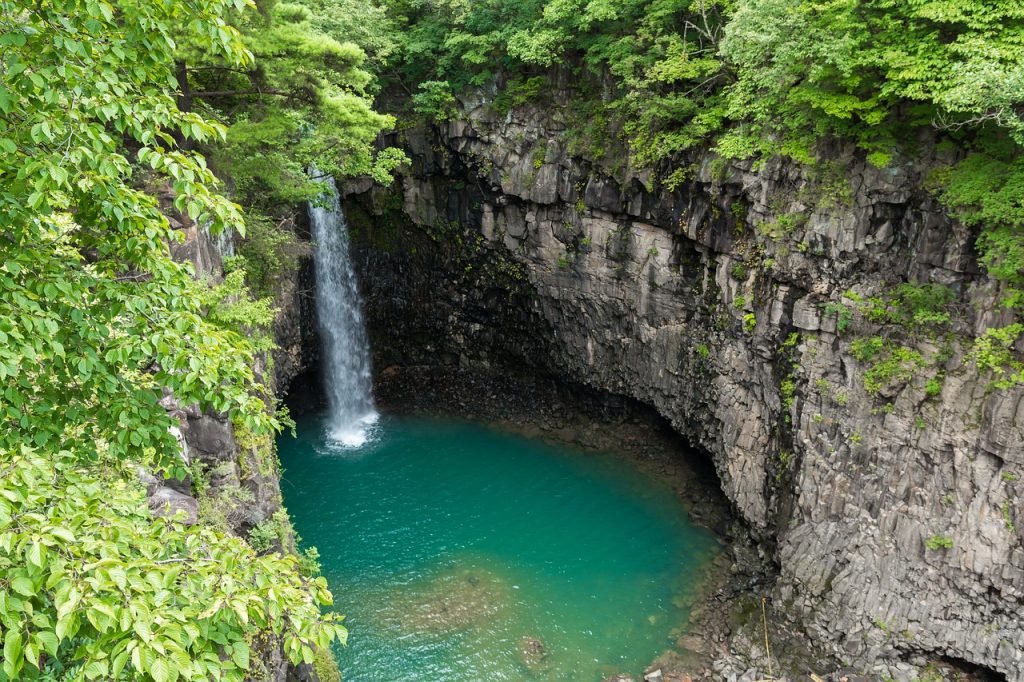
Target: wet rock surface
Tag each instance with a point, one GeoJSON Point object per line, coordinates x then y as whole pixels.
{"type": "Point", "coordinates": [684, 300]}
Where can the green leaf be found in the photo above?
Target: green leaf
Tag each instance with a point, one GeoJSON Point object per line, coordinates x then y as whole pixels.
{"type": "Point", "coordinates": [35, 555]}
{"type": "Point", "coordinates": [32, 654]}
{"type": "Point", "coordinates": [23, 586]}
{"type": "Point", "coordinates": [118, 663]}
{"type": "Point", "coordinates": [240, 655]}
{"type": "Point", "coordinates": [160, 670]}
{"type": "Point", "coordinates": [13, 649]}
{"type": "Point", "coordinates": [48, 641]}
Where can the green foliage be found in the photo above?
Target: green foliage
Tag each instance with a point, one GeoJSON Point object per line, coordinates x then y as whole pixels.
{"type": "Point", "coordinates": [325, 666]}
{"type": "Point", "coordinates": [518, 92]}
{"type": "Point", "coordinates": [785, 458]}
{"type": "Point", "coordinates": [993, 353]}
{"type": "Point", "coordinates": [267, 535]}
{"type": "Point", "coordinates": [309, 562]}
{"type": "Point", "coordinates": [866, 349]}
{"type": "Point", "coordinates": [1011, 527]}
{"type": "Point", "coordinates": [787, 389]}
{"type": "Point", "coordinates": [986, 190]}
{"type": "Point", "coordinates": [97, 589]}
{"type": "Point", "coordinates": [749, 322]}
{"type": "Point", "coordinates": [937, 542]}
{"type": "Point", "coordinates": [662, 54]}
{"type": "Point", "coordinates": [229, 305]}
{"type": "Point", "coordinates": [843, 315]}
{"type": "Point", "coordinates": [807, 69]}
{"type": "Point", "coordinates": [434, 100]}
{"type": "Point", "coordinates": [97, 321]}
{"type": "Point", "coordinates": [269, 250]}
{"type": "Point", "coordinates": [900, 365]}
{"type": "Point", "coordinates": [303, 102]}
{"type": "Point", "coordinates": [363, 22]}
{"type": "Point", "coordinates": [889, 363]}
{"type": "Point", "coordinates": [97, 324]}
{"type": "Point", "coordinates": [914, 306]}
{"type": "Point", "coordinates": [784, 226]}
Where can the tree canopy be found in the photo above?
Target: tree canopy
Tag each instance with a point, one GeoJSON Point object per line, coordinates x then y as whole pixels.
{"type": "Point", "coordinates": [754, 79]}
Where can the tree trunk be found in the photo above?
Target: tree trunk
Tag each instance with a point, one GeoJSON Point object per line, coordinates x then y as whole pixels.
{"type": "Point", "coordinates": [184, 99]}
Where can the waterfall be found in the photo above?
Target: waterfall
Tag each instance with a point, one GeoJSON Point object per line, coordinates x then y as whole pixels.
{"type": "Point", "coordinates": [345, 350]}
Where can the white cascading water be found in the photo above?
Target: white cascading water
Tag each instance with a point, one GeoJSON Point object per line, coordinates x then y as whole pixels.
{"type": "Point", "coordinates": [344, 346]}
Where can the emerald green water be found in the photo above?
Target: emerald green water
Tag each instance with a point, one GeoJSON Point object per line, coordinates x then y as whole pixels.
{"type": "Point", "coordinates": [461, 554]}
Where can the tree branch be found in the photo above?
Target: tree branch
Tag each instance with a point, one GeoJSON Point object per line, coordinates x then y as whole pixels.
{"type": "Point", "coordinates": [233, 93]}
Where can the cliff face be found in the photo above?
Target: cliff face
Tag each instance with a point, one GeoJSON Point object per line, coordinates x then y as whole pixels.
{"type": "Point", "coordinates": [240, 486]}
{"type": "Point", "coordinates": [893, 515]}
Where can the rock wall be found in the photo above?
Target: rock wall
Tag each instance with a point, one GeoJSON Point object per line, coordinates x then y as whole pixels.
{"type": "Point", "coordinates": [240, 489]}
{"type": "Point", "coordinates": [709, 302]}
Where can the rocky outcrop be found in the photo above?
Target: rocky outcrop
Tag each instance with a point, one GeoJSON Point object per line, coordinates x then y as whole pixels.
{"type": "Point", "coordinates": [294, 326]}
{"type": "Point", "coordinates": [715, 293]}
{"type": "Point", "coordinates": [238, 487]}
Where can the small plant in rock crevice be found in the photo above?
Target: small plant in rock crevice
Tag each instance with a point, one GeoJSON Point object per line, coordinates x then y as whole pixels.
{"type": "Point", "coordinates": [749, 323]}
{"type": "Point", "coordinates": [1008, 517]}
{"type": "Point", "coordinates": [937, 542]}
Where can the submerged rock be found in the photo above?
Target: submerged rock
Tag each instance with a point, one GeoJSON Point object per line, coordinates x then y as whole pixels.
{"type": "Point", "coordinates": [451, 601]}
{"type": "Point", "coordinates": [532, 653]}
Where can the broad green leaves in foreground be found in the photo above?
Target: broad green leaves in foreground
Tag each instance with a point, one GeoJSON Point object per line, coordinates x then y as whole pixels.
{"type": "Point", "coordinates": [91, 587]}
{"type": "Point", "coordinates": [97, 323]}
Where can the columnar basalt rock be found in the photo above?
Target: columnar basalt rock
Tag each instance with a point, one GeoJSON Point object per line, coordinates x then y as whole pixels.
{"type": "Point", "coordinates": [710, 303]}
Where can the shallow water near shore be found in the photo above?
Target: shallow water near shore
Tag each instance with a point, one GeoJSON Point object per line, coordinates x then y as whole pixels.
{"type": "Point", "coordinates": [462, 553]}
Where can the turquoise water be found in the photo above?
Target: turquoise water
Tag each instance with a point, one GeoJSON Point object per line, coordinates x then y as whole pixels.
{"type": "Point", "coordinates": [460, 553]}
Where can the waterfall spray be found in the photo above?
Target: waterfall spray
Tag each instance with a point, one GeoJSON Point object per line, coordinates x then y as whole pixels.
{"type": "Point", "coordinates": [344, 347]}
